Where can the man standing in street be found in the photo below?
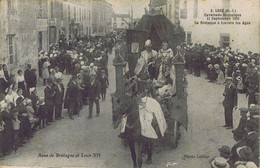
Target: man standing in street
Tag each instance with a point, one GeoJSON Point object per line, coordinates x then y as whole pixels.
{"type": "Point", "coordinates": [29, 77]}
{"type": "Point", "coordinates": [49, 95]}
{"type": "Point", "coordinates": [94, 95]}
{"type": "Point", "coordinates": [58, 99]}
{"type": "Point", "coordinates": [230, 102]}
{"type": "Point", "coordinates": [72, 97]}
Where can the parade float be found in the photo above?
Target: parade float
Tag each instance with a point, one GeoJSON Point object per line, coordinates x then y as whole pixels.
{"type": "Point", "coordinates": [158, 28]}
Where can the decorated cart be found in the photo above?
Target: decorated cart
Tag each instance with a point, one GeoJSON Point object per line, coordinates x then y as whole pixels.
{"type": "Point", "coordinates": [159, 29]}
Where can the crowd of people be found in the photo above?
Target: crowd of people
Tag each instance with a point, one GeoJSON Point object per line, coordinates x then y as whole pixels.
{"type": "Point", "coordinates": [23, 112]}
{"type": "Point", "coordinates": [219, 63]}
{"type": "Point", "coordinates": [240, 74]}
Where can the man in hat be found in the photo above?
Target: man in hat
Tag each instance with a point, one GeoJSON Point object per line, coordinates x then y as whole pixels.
{"type": "Point", "coordinates": [94, 95]}
{"type": "Point", "coordinates": [72, 97]}
{"type": "Point", "coordinates": [58, 99]}
{"type": "Point", "coordinates": [230, 102]}
{"type": "Point", "coordinates": [219, 162]}
{"type": "Point", "coordinates": [30, 77]}
{"type": "Point", "coordinates": [244, 153]}
{"type": "Point", "coordinates": [243, 119]}
{"type": "Point", "coordinates": [49, 94]}
{"type": "Point", "coordinates": [145, 67]}
{"type": "Point", "coordinates": [104, 83]}
{"type": "Point", "coordinates": [239, 137]}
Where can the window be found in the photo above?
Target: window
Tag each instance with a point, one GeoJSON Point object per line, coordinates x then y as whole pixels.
{"type": "Point", "coordinates": [184, 10]}
{"type": "Point", "coordinates": [10, 39]}
{"type": "Point", "coordinates": [89, 16]}
{"type": "Point", "coordinates": [195, 11]}
{"type": "Point", "coordinates": [85, 15]}
{"type": "Point", "coordinates": [80, 14]}
{"type": "Point", "coordinates": [61, 11]}
{"type": "Point", "coordinates": [69, 13]}
{"type": "Point", "coordinates": [170, 11]}
{"type": "Point", "coordinates": [224, 40]}
{"type": "Point", "coordinates": [188, 38]}
{"type": "Point", "coordinates": [226, 4]}
{"type": "Point", "coordinates": [176, 9]}
{"type": "Point", "coordinates": [75, 14]}
{"type": "Point", "coordinates": [40, 9]}
{"type": "Point", "coordinates": [52, 16]}
{"type": "Point", "coordinates": [101, 29]}
{"type": "Point", "coordinates": [10, 7]}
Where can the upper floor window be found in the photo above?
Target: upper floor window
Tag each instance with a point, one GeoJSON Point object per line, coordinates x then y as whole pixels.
{"type": "Point", "coordinates": [226, 4]}
{"type": "Point", "coordinates": [61, 11]}
{"type": "Point", "coordinates": [10, 41]}
{"type": "Point", "coordinates": [69, 12]}
{"type": "Point", "coordinates": [10, 6]}
{"type": "Point", "coordinates": [52, 12]}
{"type": "Point", "coordinates": [195, 11]}
{"type": "Point", "coordinates": [75, 14]}
{"type": "Point", "coordinates": [40, 9]}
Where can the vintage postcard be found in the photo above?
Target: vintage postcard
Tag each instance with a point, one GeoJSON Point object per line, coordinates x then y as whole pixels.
{"type": "Point", "coordinates": [121, 84]}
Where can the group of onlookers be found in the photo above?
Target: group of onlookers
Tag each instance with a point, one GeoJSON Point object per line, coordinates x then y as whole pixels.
{"type": "Point", "coordinates": [245, 152]}
{"type": "Point", "coordinates": [240, 73]}
{"type": "Point", "coordinates": [23, 112]}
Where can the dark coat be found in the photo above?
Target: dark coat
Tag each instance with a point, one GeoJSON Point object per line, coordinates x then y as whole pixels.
{"type": "Point", "coordinates": [94, 90]}
{"type": "Point", "coordinates": [58, 99]}
{"type": "Point", "coordinates": [234, 156]}
{"type": "Point", "coordinates": [49, 96]}
{"type": "Point", "coordinates": [72, 92]}
{"type": "Point", "coordinates": [103, 82]}
{"type": "Point", "coordinates": [30, 78]}
{"type": "Point", "coordinates": [230, 94]}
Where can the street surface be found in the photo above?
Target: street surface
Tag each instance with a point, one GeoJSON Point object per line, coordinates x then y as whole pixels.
{"type": "Point", "coordinates": [85, 137]}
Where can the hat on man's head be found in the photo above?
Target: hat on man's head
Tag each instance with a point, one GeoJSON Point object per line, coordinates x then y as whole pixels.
{"type": "Point", "coordinates": [219, 162]}
{"type": "Point", "coordinates": [244, 109]}
{"type": "Point", "coordinates": [148, 43]}
{"type": "Point", "coordinates": [245, 153]}
{"type": "Point", "coordinates": [224, 150]}
{"type": "Point", "coordinates": [19, 100]}
{"type": "Point", "coordinates": [228, 78]}
{"type": "Point", "coordinates": [91, 64]}
{"type": "Point", "coordinates": [238, 133]}
{"type": "Point", "coordinates": [31, 89]}
{"type": "Point", "coordinates": [3, 104]}
{"type": "Point", "coordinates": [251, 165]}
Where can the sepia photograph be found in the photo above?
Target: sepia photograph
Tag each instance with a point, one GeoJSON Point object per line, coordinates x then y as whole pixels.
{"type": "Point", "coordinates": [129, 83]}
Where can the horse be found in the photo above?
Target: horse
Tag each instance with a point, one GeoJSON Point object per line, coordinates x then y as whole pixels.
{"type": "Point", "coordinates": [129, 106]}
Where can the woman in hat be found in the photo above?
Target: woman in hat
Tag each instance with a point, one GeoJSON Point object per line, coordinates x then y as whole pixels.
{"type": "Point", "coordinates": [220, 78]}
{"type": "Point", "coordinates": [26, 131]}
{"type": "Point", "coordinates": [45, 70]}
{"type": "Point", "coordinates": [165, 55]}
{"type": "Point", "coordinates": [20, 81]}
{"type": "Point", "coordinates": [8, 138]}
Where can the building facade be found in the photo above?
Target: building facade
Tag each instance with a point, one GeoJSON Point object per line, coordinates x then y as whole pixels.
{"type": "Point", "coordinates": [121, 21]}
{"type": "Point", "coordinates": [102, 13]}
{"type": "Point", "coordinates": [33, 25]}
{"type": "Point", "coordinates": [18, 33]}
{"type": "Point", "coordinates": [244, 37]}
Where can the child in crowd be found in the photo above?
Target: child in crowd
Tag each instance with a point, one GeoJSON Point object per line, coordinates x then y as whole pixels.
{"type": "Point", "coordinates": [16, 126]}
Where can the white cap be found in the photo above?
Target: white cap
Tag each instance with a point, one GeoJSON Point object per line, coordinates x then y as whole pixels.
{"type": "Point", "coordinates": [148, 43]}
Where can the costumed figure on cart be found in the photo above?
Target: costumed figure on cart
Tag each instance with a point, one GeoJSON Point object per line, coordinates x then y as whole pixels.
{"type": "Point", "coordinates": [165, 54]}
{"type": "Point", "coordinates": [146, 64]}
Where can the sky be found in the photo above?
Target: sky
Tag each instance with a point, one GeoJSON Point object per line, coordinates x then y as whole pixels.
{"type": "Point", "coordinates": [123, 6]}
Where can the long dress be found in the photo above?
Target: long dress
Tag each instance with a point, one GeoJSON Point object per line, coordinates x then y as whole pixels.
{"type": "Point", "coordinates": [45, 70]}
{"type": "Point", "coordinates": [8, 133]}
{"type": "Point", "coordinates": [20, 83]}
